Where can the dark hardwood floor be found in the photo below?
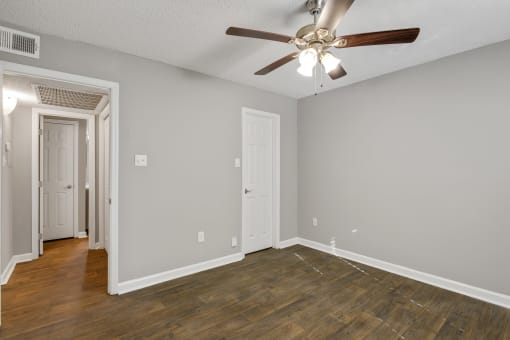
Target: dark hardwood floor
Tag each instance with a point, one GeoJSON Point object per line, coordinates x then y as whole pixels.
{"type": "Point", "coordinates": [275, 294]}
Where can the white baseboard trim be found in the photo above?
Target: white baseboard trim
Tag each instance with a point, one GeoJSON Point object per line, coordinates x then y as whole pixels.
{"type": "Point", "coordinates": [131, 285]}
{"type": "Point", "coordinates": [82, 234]}
{"type": "Point", "coordinates": [288, 243]}
{"type": "Point", "coordinates": [6, 274]}
{"type": "Point", "coordinates": [455, 286]}
{"type": "Point", "coordinates": [315, 245]}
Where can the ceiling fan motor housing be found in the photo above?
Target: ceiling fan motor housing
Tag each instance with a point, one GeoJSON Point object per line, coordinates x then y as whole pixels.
{"type": "Point", "coordinates": [308, 36]}
{"type": "Point", "coordinates": [315, 6]}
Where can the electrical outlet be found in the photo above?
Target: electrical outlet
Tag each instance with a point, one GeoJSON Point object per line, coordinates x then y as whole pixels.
{"type": "Point", "coordinates": [234, 241]}
{"type": "Point", "coordinates": [201, 236]}
{"type": "Point", "coordinates": [315, 222]}
{"type": "Point", "coordinates": [141, 160]}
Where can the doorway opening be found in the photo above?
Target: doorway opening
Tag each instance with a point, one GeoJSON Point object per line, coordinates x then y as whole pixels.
{"type": "Point", "coordinates": [62, 134]}
{"type": "Point", "coordinates": [260, 180]}
{"type": "Point", "coordinates": [64, 175]}
{"type": "Point", "coordinates": [62, 180]}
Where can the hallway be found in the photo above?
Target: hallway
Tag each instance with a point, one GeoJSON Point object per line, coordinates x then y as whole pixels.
{"type": "Point", "coordinates": [59, 286]}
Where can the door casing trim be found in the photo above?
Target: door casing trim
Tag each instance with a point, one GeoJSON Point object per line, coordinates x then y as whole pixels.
{"type": "Point", "coordinates": [101, 179]}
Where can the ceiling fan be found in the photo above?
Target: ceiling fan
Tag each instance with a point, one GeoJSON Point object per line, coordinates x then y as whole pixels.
{"type": "Point", "coordinates": [314, 40]}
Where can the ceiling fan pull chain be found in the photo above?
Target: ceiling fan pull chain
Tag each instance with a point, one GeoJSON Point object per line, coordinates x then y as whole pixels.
{"type": "Point", "coordinates": [322, 73]}
{"type": "Point", "coordinates": [315, 79]}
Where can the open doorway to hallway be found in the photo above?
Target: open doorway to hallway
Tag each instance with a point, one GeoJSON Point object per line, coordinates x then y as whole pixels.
{"type": "Point", "coordinates": [53, 208]}
{"type": "Point", "coordinates": [66, 279]}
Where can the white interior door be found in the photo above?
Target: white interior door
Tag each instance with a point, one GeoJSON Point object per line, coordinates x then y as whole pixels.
{"type": "Point", "coordinates": [258, 182]}
{"type": "Point", "coordinates": [106, 177]}
{"type": "Point", "coordinates": [58, 179]}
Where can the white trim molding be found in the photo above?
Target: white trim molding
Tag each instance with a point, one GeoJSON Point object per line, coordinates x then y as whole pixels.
{"type": "Point", "coordinates": [2, 225]}
{"type": "Point", "coordinates": [82, 234]}
{"type": "Point", "coordinates": [316, 245]}
{"type": "Point", "coordinates": [146, 281]}
{"type": "Point", "coordinates": [451, 285]}
{"type": "Point", "coordinates": [288, 243]}
{"type": "Point", "coordinates": [6, 275]}
{"type": "Point", "coordinates": [105, 112]}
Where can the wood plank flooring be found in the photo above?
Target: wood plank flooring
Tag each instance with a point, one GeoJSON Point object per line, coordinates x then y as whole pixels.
{"type": "Point", "coordinates": [275, 294]}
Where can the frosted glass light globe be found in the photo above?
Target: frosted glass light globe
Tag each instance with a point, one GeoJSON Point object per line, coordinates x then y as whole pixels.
{"type": "Point", "coordinates": [329, 61]}
{"type": "Point", "coordinates": [308, 57]}
{"type": "Point", "coordinates": [305, 71]}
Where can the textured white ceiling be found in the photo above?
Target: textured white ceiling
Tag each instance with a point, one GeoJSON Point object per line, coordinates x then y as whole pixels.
{"type": "Point", "coordinates": [190, 33]}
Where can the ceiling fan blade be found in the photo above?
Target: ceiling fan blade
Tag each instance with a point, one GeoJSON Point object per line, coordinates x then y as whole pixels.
{"type": "Point", "coordinates": [402, 36]}
{"type": "Point", "coordinates": [338, 72]}
{"type": "Point", "coordinates": [332, 14]}
{"type": "Point", "coordinates": [248, 33]}
{"type": "Point", "coordinates": [276, 64]}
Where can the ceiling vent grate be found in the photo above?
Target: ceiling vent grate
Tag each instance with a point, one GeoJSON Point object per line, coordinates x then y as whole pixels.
{"type": "Point", "coordinates": [17, 42]}
{"type": "Point", "coordinates": [67, 98]}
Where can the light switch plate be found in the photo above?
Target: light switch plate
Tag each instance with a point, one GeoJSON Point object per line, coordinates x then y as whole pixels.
{"type": "Point", "coordinates": [234, 241]}
{"type": "Point", "coordinates": [201, 236]}
{"type": "Point", "coordinates": [237, 163]}
{"type": "Point", "coordinates": [141, 160]}
{"type": "Point", "coordinates": [315, 222]}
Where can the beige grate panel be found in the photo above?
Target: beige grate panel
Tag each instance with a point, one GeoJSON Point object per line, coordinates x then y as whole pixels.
{"type": "Point", "coordinates": [68, 98]}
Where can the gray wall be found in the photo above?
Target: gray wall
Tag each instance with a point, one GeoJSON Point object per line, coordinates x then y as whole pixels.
{"type": "Point", "coordinates": [7, 209]}
{"type": "Point", "coordinates": [189, 125]}
{"type": "Point", "coordinates": [22, 179]}
{"type": "Point", "coordinates": [418, 161]}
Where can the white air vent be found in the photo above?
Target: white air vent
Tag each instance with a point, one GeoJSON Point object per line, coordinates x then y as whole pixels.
{"type": "Point", "coordinates": [18, 42]}
{"type": "Point", "coordinates": [67, 98]}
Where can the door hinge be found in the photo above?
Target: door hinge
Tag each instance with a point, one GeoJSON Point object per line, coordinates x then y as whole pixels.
{"type": "Point", "coordinates": [40, 237]}
{"type": "Point", "coordinates": [40, 132]}
{"type": "Point", "coordinates": [110, 201]}
{"type": "Point", "coordinates": [40, 184]}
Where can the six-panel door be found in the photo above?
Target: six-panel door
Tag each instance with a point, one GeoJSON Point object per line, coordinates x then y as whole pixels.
{"type": "Point", "coordinates": [58, 180]}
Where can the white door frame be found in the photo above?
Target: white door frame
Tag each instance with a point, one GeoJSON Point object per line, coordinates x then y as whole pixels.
{"type": "Point", "coordinates": [102, 116]}
{"type": "Point", "coordinates": [75, 170]}
{"type": "Point", "coordinates": [113, 257]}
{"type": "Point", "coordinates": [276, 175]}
{"type": "Point", "coordinates": [37, 114]}
{"type": "Point", "coordinates": [1, 167]}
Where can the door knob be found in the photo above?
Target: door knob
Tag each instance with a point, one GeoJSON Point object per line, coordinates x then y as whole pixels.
{"type": "Point", "coordinates": [246, 191]}
{"type": "Point", "coordinates": [69, 186]}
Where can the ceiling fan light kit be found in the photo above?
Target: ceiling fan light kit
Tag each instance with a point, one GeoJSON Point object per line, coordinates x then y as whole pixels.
{"type": "Point", "coordinates": [308, 57]}
{"type": "Point", "coordinates": [315, 39]}
{"type": "Point", "coordinates": [305, 71]}
{"type": "Point", "coordinates": [329, 61]}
